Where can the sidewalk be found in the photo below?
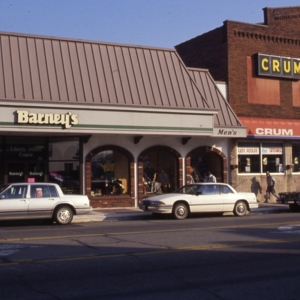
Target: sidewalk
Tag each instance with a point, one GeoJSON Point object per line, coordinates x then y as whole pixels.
{"type": "Point", "coordinates": [101, 214]}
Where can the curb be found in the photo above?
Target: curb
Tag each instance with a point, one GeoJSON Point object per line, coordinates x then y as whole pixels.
{"type": "Point", "coordinates": [99, 215]}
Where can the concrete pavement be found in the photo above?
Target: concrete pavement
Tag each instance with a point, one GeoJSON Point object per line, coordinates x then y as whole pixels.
{"type": "Point", "coordinates": [101, 214]}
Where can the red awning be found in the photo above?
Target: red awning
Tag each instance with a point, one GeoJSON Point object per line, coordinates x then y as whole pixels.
{"type": "Point", "coordinates": [260, 127]}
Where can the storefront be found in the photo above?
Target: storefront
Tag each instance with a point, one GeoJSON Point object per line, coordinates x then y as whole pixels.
{"type": "Point", "coordinates": [97, 118]}
{"type": "Point", "coordinates": [260, 64]}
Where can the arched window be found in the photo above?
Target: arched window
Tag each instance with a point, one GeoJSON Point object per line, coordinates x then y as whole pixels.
{"type": "Point", "coordinates": [109, 173]}
{"type": "Point", "coordinates": [202, 161]}
{"type": "Point", "coordinates": [160, 170]}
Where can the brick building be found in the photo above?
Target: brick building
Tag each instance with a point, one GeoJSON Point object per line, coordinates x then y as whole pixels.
{"type": "Point", "coordinates": [260, 64]}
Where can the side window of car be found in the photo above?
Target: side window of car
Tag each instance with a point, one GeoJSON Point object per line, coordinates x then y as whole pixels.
{"type": "Point", "coordinates": [210, 190]}
{"type": "Point", "coordinates": [215, 190]}
{"type": "Point", "coordinates": [53, 191]}
{"type": "Point", "coordinates": [226, 190]}
{"type": "Point", "coordinates": [40, 191]}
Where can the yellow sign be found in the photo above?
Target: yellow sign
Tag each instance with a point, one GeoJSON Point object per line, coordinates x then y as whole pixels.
{"type": "Point", "coordinates": [66, 120]}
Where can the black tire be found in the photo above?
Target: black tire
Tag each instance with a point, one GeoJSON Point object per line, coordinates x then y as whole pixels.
{"type": "Point", "coordinates": [180, 211]}
{"type": "Point", "coordinates": [240, 209]}
{"type": "Point", "coordinates": [63, 215]}
{"type": "Point", "coordinates": [294, 207]}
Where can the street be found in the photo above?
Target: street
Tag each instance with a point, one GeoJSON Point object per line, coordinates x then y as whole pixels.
{"type": "Point", "coordinates": [203, 257]}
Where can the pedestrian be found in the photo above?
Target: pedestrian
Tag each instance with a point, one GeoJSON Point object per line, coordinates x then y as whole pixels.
{"type": "Point", "coordinates": [270, 187]}
{"type": "Point", "coordinates": [209, 177]}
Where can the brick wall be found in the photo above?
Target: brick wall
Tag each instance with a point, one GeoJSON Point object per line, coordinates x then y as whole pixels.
{"type": "Point", "coordinates": [224, 51]}
{"type": "Point", "coordinates": [229, 52]}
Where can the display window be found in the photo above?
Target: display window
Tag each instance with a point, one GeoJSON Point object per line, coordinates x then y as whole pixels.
{"type": "Point", "coordinates": [160, 170]}
{"type": "Point", "coordinates": [110, 173]}
{"type": "Point", "coordinates": [24, 159]}
{"type": "Point", "coordinates": [257, 157]}
{"type": "Point", "coordinates": [63, 156]}
{"type": "Point", "coordinates": [1, 161]}
{"type": "Point", "coordinates": [296, 157]}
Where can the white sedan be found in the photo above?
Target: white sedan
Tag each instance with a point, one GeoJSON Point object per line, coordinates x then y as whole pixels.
{"type": "Point", "coordinates": [201, 198]}
{"type": "Point", "coordinates": [40, 201]}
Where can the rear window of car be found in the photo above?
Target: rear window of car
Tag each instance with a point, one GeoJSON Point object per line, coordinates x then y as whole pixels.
{"type": "Point", "coordinates": [43, 191]}
{"type": "Point", "coordinates": [226, 190]}
{"type": "Point", "coordinates": [53, 191]}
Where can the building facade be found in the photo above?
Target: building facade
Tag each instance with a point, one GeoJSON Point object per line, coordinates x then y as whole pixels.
{"type": "Point", "coordinates": [103, 119]}
{"type": "Point", "coordinates": [260, 64]}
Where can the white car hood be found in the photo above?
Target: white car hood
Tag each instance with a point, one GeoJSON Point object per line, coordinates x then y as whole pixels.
{"type": "Point", "coordinates": [167, 197]}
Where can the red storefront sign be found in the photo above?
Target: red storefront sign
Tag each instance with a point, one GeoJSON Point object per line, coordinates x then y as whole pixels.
{"type": "Point", "coordinates": [283, 128]}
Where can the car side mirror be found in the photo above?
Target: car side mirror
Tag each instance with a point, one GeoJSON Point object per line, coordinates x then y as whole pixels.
{"type": "Point", "coordinates": [198, 193]}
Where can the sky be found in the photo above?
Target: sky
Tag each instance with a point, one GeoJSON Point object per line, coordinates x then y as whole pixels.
{"type": "Point", "coordinates": [158, 23]}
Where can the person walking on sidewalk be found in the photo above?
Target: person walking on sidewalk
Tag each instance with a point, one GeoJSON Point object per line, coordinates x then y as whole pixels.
{"type": "Point", "coordinates": [270, 187]}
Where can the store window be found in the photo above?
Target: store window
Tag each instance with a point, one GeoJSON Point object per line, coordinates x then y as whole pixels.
{"type": "Point", "coordinates": [160, 170]}
{"type": "Point", "coordinates": [110, 173]}
{"type": "Point", "coordinates": [255, 157]}
{"type": "Point", "coordinates": [296, 157]}
{"type": "Point", "coordinates": [25, 159]}
{"type": "Point", "coordinates": [64, 163]}
{"type": "Point", "coordinates": [1, 162]}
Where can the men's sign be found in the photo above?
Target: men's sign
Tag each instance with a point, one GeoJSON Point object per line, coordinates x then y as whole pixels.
{"type": "Point", "coordinates": [278, 66]}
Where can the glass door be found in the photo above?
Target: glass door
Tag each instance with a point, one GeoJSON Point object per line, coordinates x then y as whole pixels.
{"type": "Point", "coordinates": [24, 172]}
{"type": "Point", "coordinates": [16, 172]}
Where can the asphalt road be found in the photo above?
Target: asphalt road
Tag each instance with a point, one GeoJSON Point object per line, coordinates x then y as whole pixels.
{"type": "Point", "coordinates": [203, 257]}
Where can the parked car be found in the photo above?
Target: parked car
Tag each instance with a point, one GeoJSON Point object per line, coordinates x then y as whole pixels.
{"type": "Point", "coordinates": [40, 201]}
{"type": "Point", "coordinates": [200, 198]}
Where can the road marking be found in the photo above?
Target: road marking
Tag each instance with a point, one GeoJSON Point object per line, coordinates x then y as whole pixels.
{"type": "Point", "coordinates": [8, 249]}
{"type": "Point", "coordinates": [295, 228]}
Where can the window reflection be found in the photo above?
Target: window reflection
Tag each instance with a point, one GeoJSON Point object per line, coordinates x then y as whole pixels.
{"type": "Point", "coordinates": [64, 164]}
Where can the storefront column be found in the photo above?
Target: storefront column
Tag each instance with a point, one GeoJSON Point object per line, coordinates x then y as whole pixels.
{"type": "Point", "coordinates": [136, 182]}
{"type": "Point", "coordinates": [81, 169]}
{"type": "Point", "coordinates": [182, 171]}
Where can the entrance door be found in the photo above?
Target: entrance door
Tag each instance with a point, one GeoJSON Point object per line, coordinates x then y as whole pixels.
{"type": "Point", "coordinates": [22, 172]}
{"type": "Point", "coordinates": [15, 172]}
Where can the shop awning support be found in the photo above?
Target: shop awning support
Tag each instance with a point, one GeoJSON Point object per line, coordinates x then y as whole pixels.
{"type": "Point", "coordinates": [185, 140]}
{"type": "Point", "coordinates": [137, 139]}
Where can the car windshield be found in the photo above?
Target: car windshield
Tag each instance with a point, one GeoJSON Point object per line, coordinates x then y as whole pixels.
{"type": "Point", "coordinates": [3, 187]}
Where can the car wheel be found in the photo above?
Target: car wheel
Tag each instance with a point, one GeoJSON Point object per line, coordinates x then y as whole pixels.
{"type": "Point", "coordinates": [63, 215]}
{"type": "Point", "coordinates": [180, 211]}
{"type": "Point", "coordinates": [240, 209]}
